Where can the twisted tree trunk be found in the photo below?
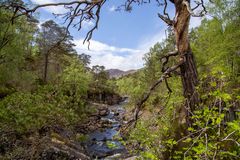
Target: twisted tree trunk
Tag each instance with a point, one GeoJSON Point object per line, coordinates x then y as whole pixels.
{"type": "Point", "coordinates": [188, 69]}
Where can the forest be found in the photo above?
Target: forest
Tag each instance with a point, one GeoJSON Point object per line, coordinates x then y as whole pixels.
{"type": "Point", "coordinates": [183, 104]}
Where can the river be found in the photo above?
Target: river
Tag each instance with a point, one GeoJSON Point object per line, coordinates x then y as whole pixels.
{"type": "Point", "coordinates": [102, 143]}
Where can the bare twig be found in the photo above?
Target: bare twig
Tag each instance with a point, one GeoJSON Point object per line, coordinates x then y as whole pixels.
{"type": "Point", "coordinates": [202, 131]}
{"type": "Point", "coordinates": [215, 154]}
{"type": "Point", "coordinates": [190, 10]}
{"type": "Point", "coordinates": [190, 135]}
{"type": "Point", "coordinates": [227, 138]}
{"type": "Point", "coordinates": [233, 140]}
{"type": "Point", "coordinates": [206, 145]}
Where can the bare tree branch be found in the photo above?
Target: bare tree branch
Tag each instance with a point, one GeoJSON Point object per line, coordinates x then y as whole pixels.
{"type": "Point", "coordinates": [140, 103]}
{"type": "Point", "coordinates": [198, 4]}
{"type": "Point", "coordinates": [165, 59]}
{"type": "Point", "coordinates": [166, 19]}
{"type": "Point", "coordinates": [190, 10]}
{"type": "Point", "coordinates": [85, 10]}
{"type": "Point", "coordinates": [128, 3]}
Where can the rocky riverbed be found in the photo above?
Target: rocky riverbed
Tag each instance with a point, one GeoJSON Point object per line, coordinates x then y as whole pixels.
{"type": "Point", "coordinates": [98, 137]}
{"type": "Point", "coordinates": [105, 141]}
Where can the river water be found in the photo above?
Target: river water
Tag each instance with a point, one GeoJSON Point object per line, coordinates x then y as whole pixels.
{"type": "Point", "coordinates": [103, 144]}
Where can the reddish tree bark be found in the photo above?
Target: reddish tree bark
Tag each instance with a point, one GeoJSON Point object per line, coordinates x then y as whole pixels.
{"type": "Point", "coordinates": [188, 69]}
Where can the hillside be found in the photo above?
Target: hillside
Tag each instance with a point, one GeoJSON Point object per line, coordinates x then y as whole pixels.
{"type": "Point", "coordinates": [117, 73]}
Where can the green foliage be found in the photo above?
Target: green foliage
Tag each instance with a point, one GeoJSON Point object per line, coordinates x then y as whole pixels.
{"type": "Point", "coordinates": [76, 79]}
{"type": "Point", "coordinates": [111, 144]}
{"type": "Point", "coordinates": [61, 104]}
{"type": "Point", "coordinates": [100, 78]}
{"type": "Point", "coordinates": [148, 155]}
{"type": "Point", "coordinates": [74, 85]}
{"type": "Point", "coordinates": [27, 112]}
{"type": "Point", "coordinates": [131, 86]}
{"type": "Point", "coordinates": [214, 132]}
{"type": "Point", "coordinates": [215, 129]}
{"type": "Point", "coordinates": [15, 52]}
{"type": "Point", "coordinates": [220, 37]}
{"type": "Point", "coordinates": [25, 106]}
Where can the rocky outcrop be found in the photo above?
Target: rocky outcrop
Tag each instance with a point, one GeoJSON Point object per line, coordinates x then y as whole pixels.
{"type": "Point", "coordinates": [50, 144]}
{"type": "Point", "coordinates": [55, 149]}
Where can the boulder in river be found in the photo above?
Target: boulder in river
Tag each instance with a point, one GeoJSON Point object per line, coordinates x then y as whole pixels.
{"type": "Point", "coordinates": [103, 112]}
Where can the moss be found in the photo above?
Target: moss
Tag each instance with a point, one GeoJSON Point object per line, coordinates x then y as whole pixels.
{"type": "Point", "coordinates": [81, 137]}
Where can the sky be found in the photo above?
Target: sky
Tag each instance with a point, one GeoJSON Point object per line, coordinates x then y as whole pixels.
{"type": "Point", "coordinates": [122, 38]}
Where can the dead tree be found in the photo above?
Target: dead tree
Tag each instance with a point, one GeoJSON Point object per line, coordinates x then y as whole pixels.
{"type": "Point", "coordinates": [186, 64]}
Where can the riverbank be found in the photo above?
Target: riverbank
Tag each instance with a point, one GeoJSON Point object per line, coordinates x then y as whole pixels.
{"type": "Point", "coordinates": [96, 137]}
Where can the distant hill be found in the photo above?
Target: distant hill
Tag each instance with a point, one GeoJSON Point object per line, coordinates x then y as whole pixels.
{"type": "Point", "coordinates": [117, 73]}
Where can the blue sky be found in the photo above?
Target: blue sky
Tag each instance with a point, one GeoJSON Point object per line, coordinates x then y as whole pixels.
{"type": "Point", "coordinates": [122, 38]}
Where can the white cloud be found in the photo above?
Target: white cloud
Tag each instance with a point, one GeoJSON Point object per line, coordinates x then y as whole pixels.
{"type": "Point", "coordinates": [51, 9]}
{"type": "Point", "coordinates": [113, 8]}
{"type": "Point", "coordinates": [116, 57]}
{"type": "Point", "coordinates": [42, 1]}
{"type": "Point", "coordinates": [99, 47]}
{"type": "Point", "coordinates": [111, 56]}
{"type": "Point", "coordinates": [87, 25]}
